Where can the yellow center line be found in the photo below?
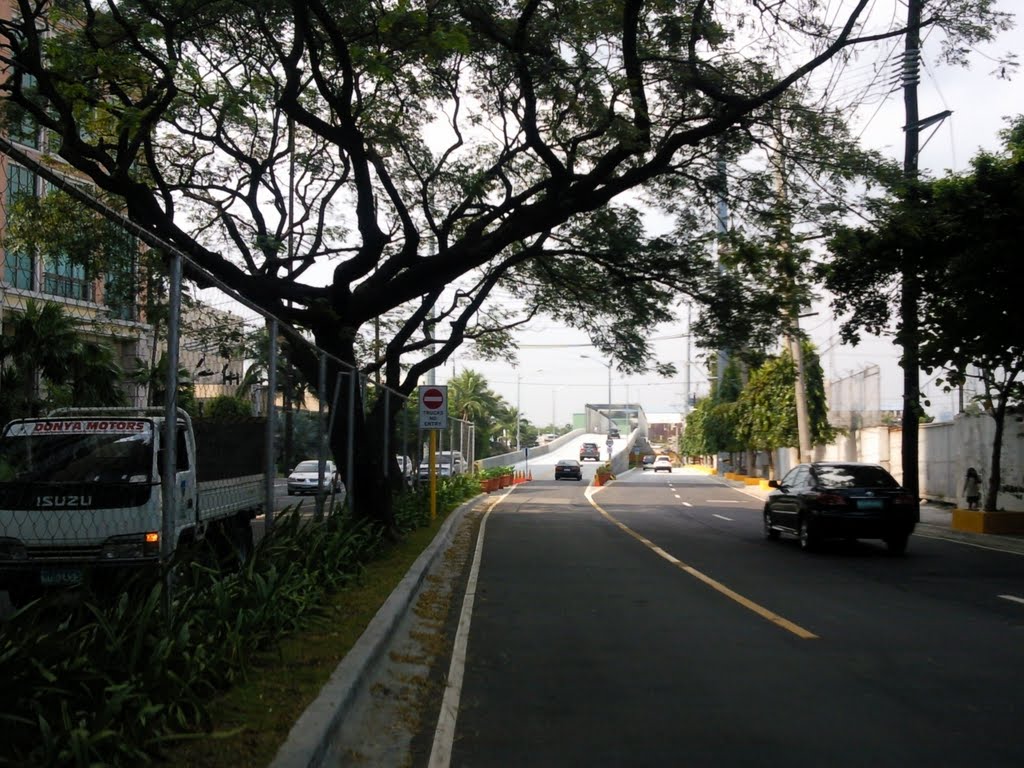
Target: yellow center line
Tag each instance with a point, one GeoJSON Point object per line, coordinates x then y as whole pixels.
{"type": "Point", "coordinates": [747, 603]}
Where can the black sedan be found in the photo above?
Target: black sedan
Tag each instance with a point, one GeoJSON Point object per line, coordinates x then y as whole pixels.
{"type": "Point", "coordinates": [847, 500]}
{"type": "Point", "coordinates": [569, 469]}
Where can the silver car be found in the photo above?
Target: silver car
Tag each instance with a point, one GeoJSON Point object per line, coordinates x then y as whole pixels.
{"type": "Point", "coordinates": [304, 478]}
{"type": "Point", "coordinates": [446, 463]}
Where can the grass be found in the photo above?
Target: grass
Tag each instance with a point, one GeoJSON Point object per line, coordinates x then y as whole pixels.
{"type": "Point", "coordinates": [252, 720]}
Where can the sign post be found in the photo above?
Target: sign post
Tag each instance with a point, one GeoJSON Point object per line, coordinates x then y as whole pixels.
{"type": "Point", "coordinates": [433, 417]}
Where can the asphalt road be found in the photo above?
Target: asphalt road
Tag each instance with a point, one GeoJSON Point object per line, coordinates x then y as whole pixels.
{"type": "Point", "coordinates": [653, 625]}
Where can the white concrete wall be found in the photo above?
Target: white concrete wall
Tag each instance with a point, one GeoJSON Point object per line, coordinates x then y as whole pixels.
{"type": "Point", "coordinates": [945, 451]}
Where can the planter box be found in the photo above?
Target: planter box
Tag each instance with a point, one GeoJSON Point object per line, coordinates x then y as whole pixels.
{"type": "Point", "coordinates": [976, 521]}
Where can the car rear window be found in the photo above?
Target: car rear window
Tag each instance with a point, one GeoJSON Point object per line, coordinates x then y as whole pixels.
{"type": "Point", "coordinates": [852, 476]}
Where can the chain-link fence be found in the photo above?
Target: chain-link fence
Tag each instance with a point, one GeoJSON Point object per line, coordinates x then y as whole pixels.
{"type": "Point", "coordinates": [124, 346]}
{"type": "Point", "coordinates": [855, 400]}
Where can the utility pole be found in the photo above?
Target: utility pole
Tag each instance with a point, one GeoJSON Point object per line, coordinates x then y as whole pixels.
{"type": "Point", "coordinates": [689, 336]}
{"type": "Point", "coordinates": [793, 341]}
{"type": "Point", "coordinates": [722, 216]}
{"type": "Point", "coordinates": [910, 288]}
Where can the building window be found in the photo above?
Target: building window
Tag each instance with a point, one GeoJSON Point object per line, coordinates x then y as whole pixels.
{"type": "Point", "coordinates": [22, 127]}
{"type": "Point", "coordinates": [62, 278]}
{"type": "Point", "coordinates": [18, 269]}
{"type": "Point", "coordinates": [121, 287]}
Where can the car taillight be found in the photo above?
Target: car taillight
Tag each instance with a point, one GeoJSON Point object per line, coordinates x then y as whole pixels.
{"type": "Point", "coordinates": [904, 500]}
{"type": "Point", "coordinates": [831, 500]}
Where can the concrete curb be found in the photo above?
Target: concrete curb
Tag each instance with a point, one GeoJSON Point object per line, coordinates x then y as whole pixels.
{"type": "Point", "coordinates": [311, 735]}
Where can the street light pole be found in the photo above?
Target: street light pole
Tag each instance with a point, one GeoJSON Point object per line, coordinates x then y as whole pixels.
{"type": "Point", "coordinates": [607, 365]}
{"type": "Point", "coordinates": [519, 380]}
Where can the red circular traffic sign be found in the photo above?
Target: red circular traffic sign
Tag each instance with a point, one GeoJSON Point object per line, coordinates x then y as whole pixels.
{"type": "Point", "coordinates": [433, 398]}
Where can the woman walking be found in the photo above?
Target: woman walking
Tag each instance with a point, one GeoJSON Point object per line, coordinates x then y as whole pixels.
{"type": "Point", "coordinates": [972, 488]}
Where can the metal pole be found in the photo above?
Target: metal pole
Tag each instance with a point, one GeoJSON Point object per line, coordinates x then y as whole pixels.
{"type": "Point", "coordinates": [519, 380]}
{"type": "Point", "coordinates": [321, 435]}
{"type": "Point", "coordinates": [432, 451]}
{"type": "Point", "coordinates": [686, 405]}
{"type": "Point", "coordinates": [169, 491]}
{"type": "Point", "coordinates": [609, 391]}
{"type": "Point", "coordinates": [387, 431]}
{"type": "Point", "coordinates": [270, 465]}
{"type": "Point", "coordinates": [910, 289]}
{"type": "Point", "coordinates": [350, 439]}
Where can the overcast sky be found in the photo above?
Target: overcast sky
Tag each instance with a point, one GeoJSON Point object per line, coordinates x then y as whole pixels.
{"type": "Point", "coordinates": [555, 380]}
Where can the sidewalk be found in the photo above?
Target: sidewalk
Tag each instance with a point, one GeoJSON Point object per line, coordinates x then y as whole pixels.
{"type": "Point", "coordinates": [936, 520]}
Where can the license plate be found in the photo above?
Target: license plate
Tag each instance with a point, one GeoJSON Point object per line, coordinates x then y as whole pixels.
{"type": "Point", "coordinates": [870, 503]}
{"type": "Point", "coordinates": [60, 577]}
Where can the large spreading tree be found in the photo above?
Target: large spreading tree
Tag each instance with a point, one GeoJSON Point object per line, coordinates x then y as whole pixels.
{"type": "Point", "coordinates": [964, 232]}
{"type": "Point", "coordinates": [346, 163]}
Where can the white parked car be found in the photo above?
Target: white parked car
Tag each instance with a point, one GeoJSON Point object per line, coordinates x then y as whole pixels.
{"type": "Point", "coordinates": [447, 463]}
{"type": "Point", "coordinates": [303, 479]}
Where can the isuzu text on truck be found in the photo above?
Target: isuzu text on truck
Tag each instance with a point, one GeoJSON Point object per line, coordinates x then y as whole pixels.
{"type": "Point", "coordinates": [81, 496]}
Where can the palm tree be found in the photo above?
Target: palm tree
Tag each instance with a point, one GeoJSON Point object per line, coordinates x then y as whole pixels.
{"type": "Point", "coordinates": [469, 397]}
{"type": "Point", "coordinates": [46, 362]}
{"type": "Point", "coordinates": [95, 375]}
{"type": "Point", "coordinates": [37, 349]}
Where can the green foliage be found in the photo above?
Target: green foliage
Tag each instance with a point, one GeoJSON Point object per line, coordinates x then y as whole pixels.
{"type": "Point", "coordinates": [154, 379]}
{"type": "Point", "coordinates": [214, 117]}
{"type": "Point", "coordinates": [956, 236]}
{"type": "Point", "coordinates": [109, 683]}
{"type": "Point", "coordinates": [109, 680]}
{"type": "Point", "coordinates": [47, 362]}
{"type": "Point", "coordinates": [491, 472]}
{"type": "Point", "coordinates": [766, 416]}
{"type": "Point", "coordinates": [227, 408]}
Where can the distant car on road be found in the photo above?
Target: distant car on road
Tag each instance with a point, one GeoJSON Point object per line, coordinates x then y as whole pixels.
{"type": "Point", "coordinates": [662, 464]}
{"type": "Point", "coordinates": [590, 451]}
{"type": "Point", "coordinates": [568, 469]}
{"type": "Point", "coordinates": [303, 479]}
{"type": "Point", "coordinates": [446, 463]}
{"type": "Point", "coordinates": [647, 462]}
{"type": "Point", "coordinates": [613, 432]}
{"type": "Point", "coordinates": [850, 500]}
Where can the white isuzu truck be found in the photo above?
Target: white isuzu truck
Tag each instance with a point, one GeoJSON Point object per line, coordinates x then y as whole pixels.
{"type": "Point", "coordinates": [81, 496]}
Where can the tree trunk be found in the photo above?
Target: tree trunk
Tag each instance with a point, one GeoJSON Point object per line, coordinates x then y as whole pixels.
{"type": "Point", "coordinates": [995, 476]}
{"type": "Point", "coordinates": [370, 493]}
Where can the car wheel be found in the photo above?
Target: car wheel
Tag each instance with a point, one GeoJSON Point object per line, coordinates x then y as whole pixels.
{"type": "Point", "coordinates": [897, 545]}
{"type": "Point", "coordinates": [808, 540]}
{"type": "Point", "coordinates": [291, 492]}
{"type": "Point", "coordinates": [769, 532]}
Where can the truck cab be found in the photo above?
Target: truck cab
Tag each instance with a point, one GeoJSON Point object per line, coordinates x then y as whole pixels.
{"type": "Point", "coordinates": [81, 491]}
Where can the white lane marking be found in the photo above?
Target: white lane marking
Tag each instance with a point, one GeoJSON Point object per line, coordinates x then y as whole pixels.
{"type": "Point", "coordinates": [716, 585]}
{"type": "Point", "coordinates": [722, 517]}
{"type": "Point", "coordinates": [1014, 599]}
{"type": "Point", "coordinates": [676, 495]}
{"type": "Point", "coordinates": [969, 544]}
{"type": "Point", "coordinates": [687, 504]}
{"type": "Point", "coordinates": [444, 734]}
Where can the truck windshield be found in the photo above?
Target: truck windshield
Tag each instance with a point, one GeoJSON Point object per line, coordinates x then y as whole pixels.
{"type": "Point", "coordinates": [76, 457]}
